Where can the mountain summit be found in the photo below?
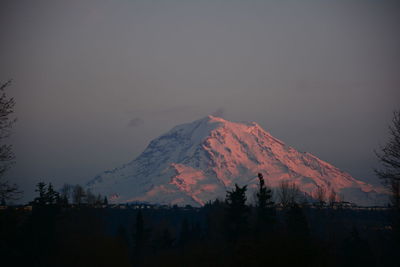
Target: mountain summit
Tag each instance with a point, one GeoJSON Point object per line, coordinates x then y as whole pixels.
{"type": "Point", "coordinates": [199, 161]}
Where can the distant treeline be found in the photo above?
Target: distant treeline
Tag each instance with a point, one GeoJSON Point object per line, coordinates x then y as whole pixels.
{"type": "Point", "coordinates": [225, 232]}
{"type": "Point", "coordinates": [68, 194]}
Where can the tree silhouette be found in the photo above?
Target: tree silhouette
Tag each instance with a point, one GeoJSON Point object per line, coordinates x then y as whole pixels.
{"type": "Point", "coordinates": [78, 194]}
{"type": "Point", "coordinates": [47, 195]}
{"type": "Point", "coordinates": [52, 196]}
{"type": "Point", "coordinates": [7, 190]}
{"type": "Point", "coordinates": [41, 189]}
{"type": "Point", "coordinates": [264, 205]}
{"type": "Point", "coordinates": [65, 193]}
{"type": "Point", "coordinates": [288, 193]}
{"type": "Point", "coordinates": [332, 197]}
{"type": "Point", "coordinates": [320, 196]}
{"type": "Point", "coordinates": [389, 156]}
{"type": "Point", "coordinates": [90, 197]}
{"type": "Point", "coordinates": [236, 211]}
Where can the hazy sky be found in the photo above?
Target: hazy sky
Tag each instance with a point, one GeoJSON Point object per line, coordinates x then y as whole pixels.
{"type": "Point", "coordinates": [95, 81]}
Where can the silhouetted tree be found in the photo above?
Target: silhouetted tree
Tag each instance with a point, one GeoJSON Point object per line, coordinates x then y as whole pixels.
{"type": "Point", "coordinates": [47, 195]}
{"type": "Point", "coordinates": [105, 202]}
{"type": "Point", "coordinates": [41, 189]}
{"type": "Point", "coordinates": [332, 197]}
{"type": "Point", "coordinates": [320, 196]}
{"type": "Point", "coordinates": [99, 199]}
{"type": "Point", "coordinates": [7, 190]}
{"type": "Point", "coordinates": [52, 196]}
{"type": "Point", "coordinates": [389, 157]}
{"type": "Point", "coordinates": [78, 194]}
{"type": "Point", "coordinates": [265, 205]}
{"type": "Point", "coordinates": [65, 193]}
{"type": "Point", "coordinates": [90, 197]}
{"type": "Point", "coordinates": [236, 211]}
{"type": "Point", "coordinates": [288, 193]}
{"type": "Point", "coordinates": [216, 217]}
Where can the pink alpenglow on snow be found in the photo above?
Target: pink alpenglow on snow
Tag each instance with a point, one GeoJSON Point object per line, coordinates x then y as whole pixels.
{"type": "Point", "coordinates": [199, 161]}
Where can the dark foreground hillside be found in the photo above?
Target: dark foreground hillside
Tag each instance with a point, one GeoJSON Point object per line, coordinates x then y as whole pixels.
{"type": "Point", "coordinates": [215, 235]}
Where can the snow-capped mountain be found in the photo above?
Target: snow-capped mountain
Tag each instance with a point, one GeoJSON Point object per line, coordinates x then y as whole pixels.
{"type": "Point", "coordinates": [199, 161]}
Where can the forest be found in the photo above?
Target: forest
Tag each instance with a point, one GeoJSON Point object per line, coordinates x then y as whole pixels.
{"type": "Point", "coordinates": [279, 228]}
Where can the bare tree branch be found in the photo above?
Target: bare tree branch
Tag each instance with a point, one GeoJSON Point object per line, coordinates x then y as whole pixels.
{"type": "Point", "coordinates": [7, 190]}
{"type": "Point", "coordinates": [389, 156]}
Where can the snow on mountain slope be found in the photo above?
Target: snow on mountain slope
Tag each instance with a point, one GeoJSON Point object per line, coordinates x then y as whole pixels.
{"type": "Point", "coordinates": [198, 161]}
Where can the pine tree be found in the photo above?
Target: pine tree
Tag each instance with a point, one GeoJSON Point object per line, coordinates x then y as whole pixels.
{"type": "Point", "coordinates": [65, 194]}
{"type": "Point", "coordinates": [41, 189]}
{"type": "Point", "coordinates": [265, 205]}
{"type": "Point", "coordinates": [52, 196]}
{"type": "Point", "coordinates": [236, 211]}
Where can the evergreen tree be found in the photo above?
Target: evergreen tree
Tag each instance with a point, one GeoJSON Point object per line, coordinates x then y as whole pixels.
{"type": "Point", "coordinates": [65, 193]}
{"type": "Point", "coordinates": [265, 205]}
{"type": "Point", "coordinates": [105, 202]}
{"type": "Point", "coordinates": [52, 196]}
{"type": "Point", "coordinates": [41, 189]}
{"type": "Point", "coordinates": [236, 211]}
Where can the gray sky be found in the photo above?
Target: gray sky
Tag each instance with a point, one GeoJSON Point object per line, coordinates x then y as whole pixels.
{"type": "Point", "coordinates": [95, 81]}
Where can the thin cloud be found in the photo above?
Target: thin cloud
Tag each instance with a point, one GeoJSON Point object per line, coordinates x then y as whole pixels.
{"type": "Point", "coordinates": [220, 112]}
{"type": "Point", "coordinates": [135, 122]}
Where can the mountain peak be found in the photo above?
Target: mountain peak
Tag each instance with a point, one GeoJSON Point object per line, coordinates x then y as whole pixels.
{"type": "Point", "coordinates": [198, 161]}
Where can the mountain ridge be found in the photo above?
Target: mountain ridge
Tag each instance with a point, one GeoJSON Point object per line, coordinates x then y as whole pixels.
{"type": "Point", "coordinates": [198, 161]}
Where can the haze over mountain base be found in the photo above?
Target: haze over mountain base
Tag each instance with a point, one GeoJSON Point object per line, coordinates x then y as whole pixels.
{"type": "Point", "coordinates": [199, 161]}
